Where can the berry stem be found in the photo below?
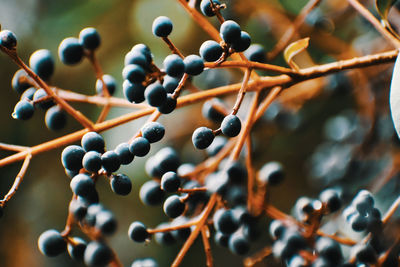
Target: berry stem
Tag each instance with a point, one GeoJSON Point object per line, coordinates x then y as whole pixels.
{"type": "Point", "coordinates": [205, 235]}
{"type": "Point", "coordinates": [172, 47]}
{"type": "Point", "coordinates": [242, 92]}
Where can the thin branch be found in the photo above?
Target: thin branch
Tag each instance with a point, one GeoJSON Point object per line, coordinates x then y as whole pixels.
{"type": "Point", "coordinates": [205, 234]}
{"type": "Point", "coordinates": [9, 147]}
{"type": "Point", "coordinates": [242, 92]}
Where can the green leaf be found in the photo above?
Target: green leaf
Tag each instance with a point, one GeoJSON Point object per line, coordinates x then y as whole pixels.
{"type": "Point", "coordinates": [294, 49]}
{"type": "Point", "coordinates": [383, 7]}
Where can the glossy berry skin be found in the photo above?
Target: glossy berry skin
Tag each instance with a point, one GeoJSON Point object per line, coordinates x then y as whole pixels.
{"type": "Point", "coordinates": [230, 31]}
{"type": "Point", "coordinates": [168, 106]}
{"type": "Point", "coordinates": [173, 206]}
{"type": "Point", "coordinates": [133, 92]}
{"type": "Point", "coordinates": [194, 65]}
{"type": "Point", "coordinates": [221, 239]}
{"type": "Point", "coordinates": [124, 154]}
{"type": "Point", "coordinates": [23, 110]}
{"type": "Point", "coordinates": [170, 83]}
{"type": "Point", "coordinates": [140, 147]}
{"type": "Point", "coordinates": [225, 221]}
{"type": "Point", "coordinates": [70, 51]}
{"type": "Point", "coordinates": [51, 243]}
{"type": "Point", "coordinates": [93, 141]}
{"type": "Point", "coordinates": [92, 212]}
{"type": "Point", "coordinates": [42, 63]}
{"type": "Point", "coordinates": [72, 156]}
{"type": "Point", "coordinates": [271, 173]}
{"type": "Point", "coordinates": [174, 65]}
{"type": "Point", "coordinates": [89, 38]}
{"type": "Point", "coordinates": [210, 51]}
{"type": "Point", "coordinates": [110, 82]}
{"type": "Point", "coordinates": [364, 253]}
{"type": "Point", "coordinates": [276, 229]}
{"type": "Point", "coordinates": [145, 262]}
{"type": "Point", "coordinates": [110, 161]}
{"type": "Point", "coordinates": [153, 131]}
{"type": "Point", "coordinates": [331, 199]}
{"type": "Point", "coordinates": [358, 222]}
{"type": "Point", "coordinates": [78, 208]}
{"type": "Point", "coordinates": [202, 137]}
{"type": "Point", "coordinates": [55, 118]}
{"type": "Point", "coordinates": [136, 57]}
{"type": "Point", "coordinates": [170, 182]}
{"type": "Point", "coordinates": [77, 250]}
{"type": "Point", "coordinates": [144, 50]}
{"type": "Point", "coordinates": [121, 184]}
{"type": "Point", "coordinates": [8, 39]}
{"type": "Point", "coordinates": [242, 43]}
{"type": "Point", "coordinates": [256, 53]}
{"type": "Point", "coordinates": [206, 8]}
{"type": "Point", "coordinates": [151, 194]}
{"type": "Point", "coordinates": [97, 254]}
{"type": "Point", "coordinates": [20, 81]}
{"type": "Point", "coordinates": [216, 146]}
{"type": "Point", "coordinates": [210, 112]}
{"type": "Point", "coordinates": [238, 244]}
{"type": "Point", "coordinates": [39, 94]}
{"type": "Point", "coordinates": [28, 94]}
{"type": "Point", "coordinates": [106, 223]}
{"type": "Point", "coordinates": [231, 125]}
{"type": "Point", "coordinates": [166, 159]}
{"type": "Point", "coordinates": [138, 232]}
{"type": "Point", "coordinates": [329, 249]}
{"type": "Point", "coordinates": [162, 26]}
{"type": "Point", "coordinates": [133, 73]}
{"type": "Point", "coordinates": [155, 94]}
{"type": "Point", "coordinates": [92, 161]}
{"type": "Point", "coordinates": [82, 185]}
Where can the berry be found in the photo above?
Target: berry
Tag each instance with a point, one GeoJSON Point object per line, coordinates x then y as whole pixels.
{"type": "Point", "coordinates": [202, 137]}
{"type": "Point", "coordinates": [124, 154]}
{"type": "Point", "coordinates": [120, 184]}
{"type": "Point", "coordinates": [92, 212]}
{"type": "Point", "coordinates": [242, 43]}
{"type": "Point", "coordinates": [51, 243]}
{"type": "Point", "coordinates": [82, 185]}
{"type": "Point", "coordinates": [364, 253]}
{"type": "Point", "coordinates": [28, 94]}
{"type": "Point", "coordinates": [216, 146]}
{"type": "Point", "coordinates": [170, 182]}
{"type": "Point", "coordinates": [164, 238]}
{"type": "Point", "coordinates": [39, 94]}
{"type": "Point", "coordinates": [8, 39]}
{"type": "Point", "coordinates": [155, 94]}
{"type": "Point", "coordinates": [173, 206]}
{"type": "Point", "coordinates": [238, 243]}
{"type": "Point", "coordinates": [329, 249]}
{"type": "Point", "coordinates": [89, 38]}
{"type": "Point", "coordinates": [134, 73]}
{"type": "Point", "coordinates": [140, 147]}
{"type": "Point", "coordinates": [106, 223]}
{"type": "Point", "coordinates": [162, 26]}
{"type": "Point", "coordinates": [170, 83]}
{"type": "Point", "coordinates": [211, 110]}
{"type": "Point", "coordinates": [166, 159]}
{"type": "Point", "coordinates": [78, 208]}
{"type": "Point", "coordinates": [358, 222]}
{"type": "Point", "coordinates": [363, 202]}
{"type": "Point", "coordinates": [144, 50]}
{"type": "Point", "coordinates": [210, 51]}
{"type": "Point", "coordinates": [174, 65]}
{"type": "Point", "coordinates": [225, 221]}
{"type": "Point", "coordinates": [23, 110]}
{"type": "Point", "coordinates": [72, 156]}
{"type": "Point", "coordinates": [92, 161]}
{"type": "Point", "coordinates": [70, 51]}
{"type": "Point", "coordinates": [110, 82]}
{"type": "Point", "coordinates": [230, 31]}
{"type": "Point", "coordinates": [236, 172]}
{"type": "Point", "coordinates": [151, 194]}
{"type": "Point", "coordinates": [271, 173]}
{"type": "Point", "coordinates": [231, 125]}
{"type": "Point", "coordinates": [168, 106]}
{"type": "Point", "coordinates": [331, 199]}
{"type": "Point", "coordinates": [55, 118]}
{"type": "Point", "coordinates": [42, 63]}
{"type": "Point", "coordinates": [77, 250]}
{"type": "Point", "coordinates": [276, 229]}
{"type": "Point", "coordinates": [153, 131]}
{"type": "Point", "coordinates": [110, 161]}
{"type": "Point", "coordinates": [206, 8]}
{"type": "Point", "coordinates": [21, 81]}
{"type": "Point", "coordinates": [194, 65]}
{"type": "Point", "coordinates": [133, 92]}
{"type": "Point", "coordinates": [256, 53]}
{"type": "Point", "coordinates": [145, 262]}
{"type": "Point", "coordinates": [93, 141]}
{"type": "Point", "coordinates": [136, 57]}
{"type": "Point", "coordinates": [221, 239]}
{"type": "Point", "coordinates": [97, 254]}
{"type": "Point", "coordinates": [138, 232]}
{"type": "Point", "coordinates": [183, 233]}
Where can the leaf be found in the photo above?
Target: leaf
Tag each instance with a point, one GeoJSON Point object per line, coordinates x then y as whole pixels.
{"type": "Point", "coordinates": [394, 97]}
{"type": "Point", "coordinates": [294, 49]}
{"type": "Point", "coordinates": [383, 7]}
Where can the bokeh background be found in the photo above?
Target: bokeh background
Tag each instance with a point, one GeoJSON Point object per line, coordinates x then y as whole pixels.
{"type": "Point", "coordinates": [291, 132]}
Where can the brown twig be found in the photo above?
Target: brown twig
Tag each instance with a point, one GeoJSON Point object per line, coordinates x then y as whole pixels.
{"type": "Point", "coordinates": [205, 234]}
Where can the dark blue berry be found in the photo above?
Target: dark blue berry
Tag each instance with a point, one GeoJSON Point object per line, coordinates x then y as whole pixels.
{"type": "Point", "coordinates": [140, 147]}
{"type": "Point", "coordinates": [329, 249]}
{"type": "Point", "coordinates": [72, 156]}
{"type": "Point", "coordinates": [121, 184]}
{"type": "Point", "coordinates": [170, 83]}
{"type": "Point", "coordinates": [230, 31]}
{"type": "Point", "coordinates": [173, 206]}
{"type": "Point", "coordinates": [202, 137]}
{"type": "Point", "coordinates": [77, 249]}
{"type": "Point", "coordinates": [110, 82]}
{"type": "Point", "coordinates": [211, 110]}
{"type": "Point", "coordinates": [133, 92]}
{"type": "Point", "coordinates": [97, 254]}
{"type": "Point", "coordinates": [93, 141]}
{"type": "Point", "coordinates": [363, 202]}
{"type": "Point", "coordinates": [82, 185]}
{"type": "Point", "coordinates": [242, 43]}
{"type": "Point", "coordinates": [221, 239]}
{"type": "Point", "coordinates": [133, 73]}
{"type": "Point", "coordinates": [155, 94]}
{"type": "Point", "coordinates": [151, 193]}
{"type": "Point", "coordinates": [138, 232]}
{"type": "Point", "coordinates": [174, 65]}
{"type": "Point", "coordinates": [364, 253]}
{"type": "Point", "coordinates": [216, 146]}
{"type": "Point", "coordinates": [206, 8]}
{"type": "Point", "coordinates": [358, 222]}
{"type": "Point", "coordinates": [110, 161]}
{"type": "Point", "coordinates": [92, 212]}
{"type": "Point", "coordinates": [92, 161]}
{"type": "Point", "coordinates": [136, 57]}
{"type": "Point", "coordinates": [194, 65]}
{"type": "Point", "coordinates": [164, 238]}
{"type": "Point", "coordinates": [8, 39]}
{"type": "Point", "coordinates": [271, 173]}
{"type": "Point", "coordinates": [106, 223]}
{"type": "Point", "coordinates": [238, 244]}
{"type": "Point", "coordinates": [331, 199]}
{"type": "Point", "coordinates": [168, 106]}
{"type": "Point", "coordinates": [55, 118]}
{"type": "Point", "coordinates": [162, 26]}
{"type": "Point", "coordinates": [276, 229]}
{"type": "Point", "coordinates": [70, 51]}
{"type": "Point", "coordinates": [78, 208]}
{"type": "Point", "coordinates": [51, 243]}
{"type": "Point", "coordinates": [210, 51]}
{"type": "Point", "coordinates": [256, 53]}
{"type": "Point", "coordinates": [170, 182]}
{"type": "Point", "coordinates": [124, 154]}
{"type": "Point", "coordinates": [44, 104]}
{"type": "Point", "coordinates": [153, 131]}
{"type": "Point", "coordinates": [23, 110]}
{"type": "Point", "coordinates": [42, 63]}
{"type": "Point", "coordinates": [236, 172]}
{"type": "Point", "coordinates": [28, 94]}
{"type": "Point", "coordinates": [231, 125]}
{"type": "Point", "coordinates": [145, 50]}
{"type": "Point", "coordinates": [182, 233]}
{"type": "Point", "coordinates": [225, 221]}
{"type": "Point", "coordinates": [89, 38]}
{"type": "Point", "coordinates": [21, 81]}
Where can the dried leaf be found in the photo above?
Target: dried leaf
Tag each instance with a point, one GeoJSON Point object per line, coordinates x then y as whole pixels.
{"type": "Point", "coordinates": [394, 97]}
{"type": "Point", "coordinates": [294, 49]}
